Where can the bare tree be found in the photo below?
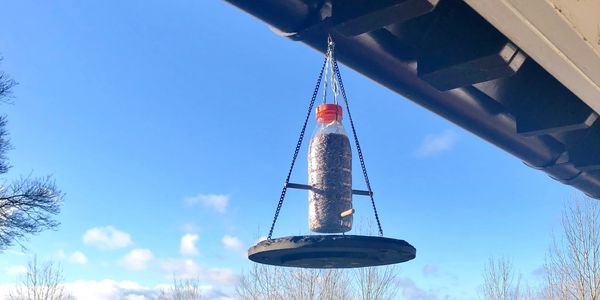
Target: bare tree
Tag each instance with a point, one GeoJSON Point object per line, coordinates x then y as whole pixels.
{"type": "Point", "coordinates": [6, 85]}
{"type": "Point", "coordinates": [278, 283]}
{"type": "Point", "coordinates": [266, 282]}
{"type": "Point", "coordinates": [332, 284]}
{"type": "Point", "coordinates": [556, 287]}
{"type": "Point", "coordinates": [27, 205]}
{"type": "Point", "coordinates": [377, 283]}
{"type": "Point", "coordinates": [499, 280]}
{"type": "Point", "coordinates": [573, 261]}
{"type": "Point", "coordinates": [41, 282]}
{"type": "Point", "coordinates": [183, 289]}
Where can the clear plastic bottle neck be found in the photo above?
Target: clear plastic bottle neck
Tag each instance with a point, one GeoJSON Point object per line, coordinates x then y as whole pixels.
{"type": "Point", "coordinates": [330, 127]}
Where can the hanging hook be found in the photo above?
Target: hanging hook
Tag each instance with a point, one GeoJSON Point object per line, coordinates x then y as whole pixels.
{"type": "Point", "coordinates": [330, 78]}
{"type": "Point", "coordinates": [330, 43]}
{"type": "Point", "coordinates": [332, 62]}
{"type": "Point", "coordinates": [328, 68]}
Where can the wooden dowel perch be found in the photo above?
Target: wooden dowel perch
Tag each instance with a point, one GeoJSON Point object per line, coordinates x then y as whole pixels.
{"type": "Point", "coordinates": [347, 213]}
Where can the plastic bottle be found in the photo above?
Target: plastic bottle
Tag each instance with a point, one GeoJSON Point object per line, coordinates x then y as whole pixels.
{"type": "Point", "coordinates": [329, 173]}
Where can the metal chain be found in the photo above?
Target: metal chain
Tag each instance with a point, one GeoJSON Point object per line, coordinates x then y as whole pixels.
{"type": "Point", "coordinates": [358, 149]}
{"type": "Point", "coordinates": [297, 150]}
{"type": "Point", "coordinates": [327, 69]}
{"type": "Point", "coordinates": [336, 80]}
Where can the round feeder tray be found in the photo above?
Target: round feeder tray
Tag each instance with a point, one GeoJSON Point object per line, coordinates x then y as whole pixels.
{"type": "Point", "coordinates": [331, 251]}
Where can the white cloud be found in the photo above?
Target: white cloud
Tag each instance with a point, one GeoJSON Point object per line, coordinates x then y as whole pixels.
{"type": "Point", "coordinates": [220, 275]}
{"type": "Point", "coordinates": [106, 237]}
{"type": "Point", "coordinates": [180, 268]}
{"type": "Point", "coordinates": [5, 288]}
{"type": "Point", "coordinates": [129, 290]}
{"type": "Point", "coordinates": [260, 239]}
{"type": "Point", "coordinates": [233, 243]}
{"type": "Point", "coordinates": [15, 270]}
{"type": "Point", "coordinates": [410, 290]}
{"type": "Point", "coordinates": [137, 259]}
{"type": "Point", "coordinates": [206, 292]}
{"type": "Point", "coordinates": [217, 202]}
{"type": "Point", "coordinates": [190, 227]}
{"type": "Point", "coordinates": [189, 269]}
{"type": "Point", "coordinates": [109, 289]}
{"type": "Point", "coordinates": [76, 257]}
{"type": "Point", "coordinates": [16, 253]}
{"type": "Point", "coordinates": [187, 245]}
{"type": "Point", "coordinates": [436, 143]}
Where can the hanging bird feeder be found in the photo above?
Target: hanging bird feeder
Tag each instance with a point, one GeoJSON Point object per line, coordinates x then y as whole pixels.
{"type": "Point", "coordinates": [330, 195]}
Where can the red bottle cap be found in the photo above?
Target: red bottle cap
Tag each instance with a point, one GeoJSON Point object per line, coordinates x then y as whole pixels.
{"type": "Point", "coordinates": [326, 113]}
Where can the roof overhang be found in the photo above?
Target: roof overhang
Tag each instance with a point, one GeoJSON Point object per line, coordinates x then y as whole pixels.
{"type": "Point", "coordinates": [444, 56]}
{"type": "Point", "coordinates": [563, 36]}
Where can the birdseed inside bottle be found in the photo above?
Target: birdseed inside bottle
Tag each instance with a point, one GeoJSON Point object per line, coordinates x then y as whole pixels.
{"type": "Point", "coordinates": [330, 175]}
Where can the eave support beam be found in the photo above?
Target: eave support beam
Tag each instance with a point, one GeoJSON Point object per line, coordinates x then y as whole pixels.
{"type": "Point", "coordinates": [355, 17]}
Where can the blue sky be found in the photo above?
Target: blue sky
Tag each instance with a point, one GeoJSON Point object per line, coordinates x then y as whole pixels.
{"type": "Point", "coordinates": [170, 126]}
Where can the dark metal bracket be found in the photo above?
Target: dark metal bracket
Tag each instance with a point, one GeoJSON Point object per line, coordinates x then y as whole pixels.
{"type": "Point", "coordinates": [310, 188]}
{"type": "Point", "coordinates": [455, 54]}
{"type": "Point", "coordinates": [540, 103]}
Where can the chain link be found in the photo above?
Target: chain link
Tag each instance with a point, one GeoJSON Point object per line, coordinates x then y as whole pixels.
{"type": "Point", "coordinates": [297, 150]}
{"type": "Point", "coordinates": [358, 149]}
